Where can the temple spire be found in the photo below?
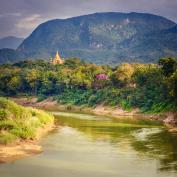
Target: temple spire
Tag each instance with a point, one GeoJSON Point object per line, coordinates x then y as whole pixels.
{"type": "Point", "coordinates": [57, 55]}
{"type": "Point", "coordinates": [57, 59]}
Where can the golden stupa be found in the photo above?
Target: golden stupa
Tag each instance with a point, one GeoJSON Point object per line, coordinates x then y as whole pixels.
{"type": "Point", "coordinates": [57, 59]}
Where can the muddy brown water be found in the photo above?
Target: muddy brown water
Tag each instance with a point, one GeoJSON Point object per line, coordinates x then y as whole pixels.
{"type": "Point", "coordinates": [97, 146]}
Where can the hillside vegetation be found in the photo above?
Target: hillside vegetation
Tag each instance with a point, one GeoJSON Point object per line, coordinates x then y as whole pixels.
{"type": "Point", "coordinates": [20, 123]}
{"type": "Point", "coordinates": [149, 87]}
{"type": "Point", "coordinates": [102, 38]}
{"type": "Point", "coordinates": [10, 42]}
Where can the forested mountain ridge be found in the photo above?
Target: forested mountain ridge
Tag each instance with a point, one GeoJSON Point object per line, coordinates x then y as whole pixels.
{"type": "Point", "coordinates": [103, 38]}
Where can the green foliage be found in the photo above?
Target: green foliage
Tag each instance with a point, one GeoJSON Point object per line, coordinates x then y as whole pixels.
{"type": "Point", "coordinates": [162, 107]}
{"type": "Point", "coordinates": [7, 125]}
{"type": "Point", "coordinates": [122, 76]}
{"type": "Point", "coordinates": [41, 98]}
{"type": "Point", "coordinates": [23, 132]}
{"type": "Point", "coordinates": [104, 38]}
{"type": "Point", "coordinates": [74, 96]}
{"type": "Point", "coordinates": [144, 86]}
{"type": "Point", "coordinates": [172, 82]}
{"type": "Point", "coordinates": [74, 62]}
{"type": "Point", "coordinates": [20, 122]}
{"type": "Point", "coordinates": [3, 114]}
{"type": "Point", "coordinates": [126, 105]}
{"type": "Point", "coordinates": [169, 65]}
{"type": "Point", "coordinates": [6, 138]}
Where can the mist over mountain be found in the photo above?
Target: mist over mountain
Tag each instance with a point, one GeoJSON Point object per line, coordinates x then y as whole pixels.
{"type": "Point", "coordinates": [103, 38]}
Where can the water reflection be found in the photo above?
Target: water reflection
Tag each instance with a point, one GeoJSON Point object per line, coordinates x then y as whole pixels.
{"type": "Point", "coordinates": [162, 145]}
{"type": "Point", "coordinates": [155, 142]}
{"type": "Point", "coordinates": [86, 145]}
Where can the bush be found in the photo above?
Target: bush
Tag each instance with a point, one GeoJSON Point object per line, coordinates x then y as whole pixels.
{"type": "Point", "coordinates": [126, 105]}
{"type": "Point", "coordinates": [3, 114]}
{"type": "Point", "coordinates": [6, 138]}
{"type": "Point", "coordinates": [7, 125]}
{"type": "Point", "coordinates": [20, 122]}
{"type": "Point", "coordinates": [41, 98]}
{"type": "Point", "coordinates": [92, 100]}
{"type": "Point", "coordinates": [23, 132]}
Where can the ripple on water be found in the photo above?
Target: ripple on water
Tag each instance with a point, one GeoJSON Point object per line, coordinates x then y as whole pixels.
{"type": "Point", "coordinates": [143, 133]}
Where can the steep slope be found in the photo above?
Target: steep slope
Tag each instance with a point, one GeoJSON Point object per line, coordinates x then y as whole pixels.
{"type": "Point", "coordinates": [100, 37]}
{"type": "Point", "coordinates": [151, 46]}
{"type": "Point", "coordinates": [10, 42]}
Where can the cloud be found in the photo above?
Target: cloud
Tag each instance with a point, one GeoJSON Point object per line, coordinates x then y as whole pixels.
{"type": "Point", "coordinates": [10, 14]}
{"type": "Point", "coordinates": [20, 17]}
{"type": "Point", "coordinates": [29, 22]}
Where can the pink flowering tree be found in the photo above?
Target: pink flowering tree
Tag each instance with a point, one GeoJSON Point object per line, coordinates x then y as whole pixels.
{"type": "Point", "coordinates": [100, 80]}
{"type": "Point", "coordinates": [101, 77]}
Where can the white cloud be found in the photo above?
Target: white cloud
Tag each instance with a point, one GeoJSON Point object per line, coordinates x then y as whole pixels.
{"type": "Point", "coordinates": [29, 22]}
{"type": "Point", "coordinates": [17, 14]}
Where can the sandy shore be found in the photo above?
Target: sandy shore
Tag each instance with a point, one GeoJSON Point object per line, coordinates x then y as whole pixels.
{"type": "Point", "coordinates": [19, 150]}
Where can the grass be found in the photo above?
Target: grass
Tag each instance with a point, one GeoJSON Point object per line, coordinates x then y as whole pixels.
{"type": "Point", "coordinates": [6, 138]}
{"type": "Point", "coordinates": [18, 122]}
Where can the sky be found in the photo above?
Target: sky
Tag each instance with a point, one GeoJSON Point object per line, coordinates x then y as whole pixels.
{"type": "Point", "coordinates": [20, 17]}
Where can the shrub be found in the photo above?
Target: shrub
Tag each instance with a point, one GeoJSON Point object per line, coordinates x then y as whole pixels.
{"type": "Point", "coordinates": [6, 138]}
{"type": "Point", "coordinates": [20, 122]}
{"type": "Point", "coordinates": [23, 132]}
{"type": "Point", "coordinates": [3, 114]}
{"type": "Point", "coordinates": [7, 125]}
{"type": "Point", "coordinates": [41, 98]}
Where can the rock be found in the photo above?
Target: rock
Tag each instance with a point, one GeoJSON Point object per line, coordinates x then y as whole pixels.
{"type": "Point", "coordinates": [170, 120]}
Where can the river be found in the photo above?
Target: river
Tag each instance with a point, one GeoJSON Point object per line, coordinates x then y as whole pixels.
{"type": "Point", "coordinates": [96, 146]}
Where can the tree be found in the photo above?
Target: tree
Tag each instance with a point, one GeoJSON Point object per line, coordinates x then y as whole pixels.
{"type": "Point", "coordinates": [14, 85]}
{"type": "Point", "coordinates": [32, 77]}
{"type": "Point", "coordinates": [123, 74]}
{"type": "Point", "coordinates": [168, 65]}
{"type": "Point", "coordinates": [173, 85]}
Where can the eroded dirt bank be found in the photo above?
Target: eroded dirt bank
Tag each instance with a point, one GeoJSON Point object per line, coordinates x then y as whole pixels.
{"type": "Point", "coordinates": [26, 148]}
{"type": "Point", "coordinates": [20, 149]}
{"type": "Point", "coordinates": [169, 119]}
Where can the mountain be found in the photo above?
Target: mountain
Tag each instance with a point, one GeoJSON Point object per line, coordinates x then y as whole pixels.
{"type": "Point", "coordinates": [10, 42]}
{"type": "Point", "coordinates": [153, 45]}
{"type": "Point", "coordinates": [10, 56]}
{"type": "Point", "coordinates": [103, 38]}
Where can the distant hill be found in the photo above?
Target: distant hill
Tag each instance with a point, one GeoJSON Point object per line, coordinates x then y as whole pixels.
{"type": "Point", "coordinates": [10, 42]}
{"type": "Point", "coordinates": [104, 38]}
{"type": "Point", "coordinates": [9, 56]}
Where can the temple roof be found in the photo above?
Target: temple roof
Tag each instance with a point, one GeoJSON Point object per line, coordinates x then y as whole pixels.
{"type": "Point", "coordinates": [57, 59]}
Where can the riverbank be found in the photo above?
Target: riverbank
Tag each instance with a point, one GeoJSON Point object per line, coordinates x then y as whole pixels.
{"type": "Point", "coordinates": [21, 129]}
{"type": "Point", "coordinates": [23, 148]}
{"type": "Point", "coordinates": [168, 118]}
